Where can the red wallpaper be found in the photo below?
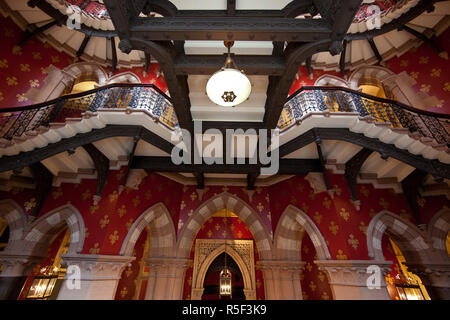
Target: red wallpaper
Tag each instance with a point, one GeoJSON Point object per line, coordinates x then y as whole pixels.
{"type": "Point", "coordinates": [342, 226]}
{"type": "Point", "coordinates": [108, 222]}
{"type": "Point", "coordinates": [128, 282]}
{"type": "Point", "coordinates": [224, 228]}
{"type": "Point", "coordinates": [21, 70]}
{"type": "Point", "coordinates": [315, 284]}
{"type": "Point", "coordinates": [24, 69]}
{"type": "Point", "coordinates": [429, 70]}
{"type": "Point", "coordinates": [423, 64]}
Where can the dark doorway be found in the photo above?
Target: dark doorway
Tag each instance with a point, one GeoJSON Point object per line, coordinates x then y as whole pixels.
{"type": "Point", "coordinates": [211, 283]}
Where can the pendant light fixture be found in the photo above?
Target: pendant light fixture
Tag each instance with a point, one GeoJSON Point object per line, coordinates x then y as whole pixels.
{"type": "Point", "coordinates": [229, 86]}
{"type": "Point", "coordinates": [225, 274]}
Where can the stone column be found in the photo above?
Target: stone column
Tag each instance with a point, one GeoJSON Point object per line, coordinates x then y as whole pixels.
{"type": "Point", "coordinates": [92, 277]}
{"type": "Point", "coordinates": [282, 279]}
{"type": "Point", "coordinates": [16, 269]}
{"type": "Point", "coordinates": [354, 280]}
{"type": "Point", "coordinates": [435, 277]}
{"type": "Point", "coordinates": [166, 278]}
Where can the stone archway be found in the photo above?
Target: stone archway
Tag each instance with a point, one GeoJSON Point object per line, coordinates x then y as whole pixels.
{"type": "Point", "coordinates": [29, 242]}
{"type": "Point", "coordinates": [239, 207]}
{"type": "Point", "coordinates": [162, 232]}
{"type": "Point", "coordinates": [438, 229]}
{"type": "Point", "coordinates": [421, 256]}
{"type": "Point", "coordinates": [408, 237]}
{"type": "Point", "coordinates": [328, 80]}
{"type": "Point", "coordinates": [36, 240]}
{"type": "Point", "coordinates": [207, 250]}
{"type": "Point", "coordinates": [289, 232]}
{"type": "Point", "coordinates": [16, 219]}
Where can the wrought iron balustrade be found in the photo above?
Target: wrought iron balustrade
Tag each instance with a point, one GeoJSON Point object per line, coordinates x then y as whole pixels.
{"type": "Point", "coordinates": [339, 99]}
{"type": "Point", "coordinates": [17, 121]}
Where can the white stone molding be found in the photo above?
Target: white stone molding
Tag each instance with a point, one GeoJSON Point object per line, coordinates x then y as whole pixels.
{"type": "Point", "coordinates": [348, 279]}
{"type": "Point", "coordinates": [99, 276]}
{"type": "Point", "coordinates": [17, 264]}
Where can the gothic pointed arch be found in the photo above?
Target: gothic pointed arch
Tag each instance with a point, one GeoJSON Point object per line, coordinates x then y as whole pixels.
{"type": "Point", "coordinates": [40, 233]}
{"type": "Point", "coordinates": [407, 236]}
{"type": "Point", "coordinates": [291, 227]}
{"type": "Point", "coordinates": [245, 264]}
{"type": "Point", "coordinates": [239, 207]}
{"type": "Point", "coordinates": [16, 219]}
{"type": "Point", "coordinates": [328, 80]}
{"type": "Point", "coordinates": [162, 232]}
{"type": "Point", "coordinates": [438, 229]}
{"type": "Point", "coordinates": [362, 74]}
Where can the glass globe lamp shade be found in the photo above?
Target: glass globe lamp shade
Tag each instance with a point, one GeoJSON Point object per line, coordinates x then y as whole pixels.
{"type": "Point", "coordinates": [228, 87]}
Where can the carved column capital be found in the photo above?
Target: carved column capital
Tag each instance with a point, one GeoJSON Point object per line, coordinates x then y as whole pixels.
{"type": "Point", "coordinates": [17, 265]}
{"type": "Point", "coordinates": [351, 272]}
{"type": "Point", "coordinates": [434, 274]}
{"type": "Point", "coordinates": [294, 266]}
{"type": "Point", "coordinates": [98, 267]}
{"type": "Point", "coordinates": [168, 262]}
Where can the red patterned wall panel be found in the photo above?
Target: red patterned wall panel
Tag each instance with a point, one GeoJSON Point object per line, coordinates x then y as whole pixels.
{"type": "Point", "coordinates": [314, 282]}
{"type": "Point", "coordinates": [126, 289]}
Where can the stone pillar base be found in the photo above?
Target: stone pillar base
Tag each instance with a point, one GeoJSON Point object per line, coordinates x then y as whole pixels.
{"type": "Point", "coordinates": [356, 279]}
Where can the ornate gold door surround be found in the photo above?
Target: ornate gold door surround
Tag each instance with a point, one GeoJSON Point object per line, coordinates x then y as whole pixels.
{"type": "Point", "coordinates": [206, 250]}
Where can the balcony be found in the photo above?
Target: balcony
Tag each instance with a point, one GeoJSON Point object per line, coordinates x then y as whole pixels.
{"type": "Point", "coordinates": [15, 122]}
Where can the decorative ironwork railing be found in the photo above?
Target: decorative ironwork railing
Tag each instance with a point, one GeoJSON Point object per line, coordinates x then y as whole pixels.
{"type": "Point", "coordinates": [19, 120]}
{"type": "Point", "coordinates": [339, 99]}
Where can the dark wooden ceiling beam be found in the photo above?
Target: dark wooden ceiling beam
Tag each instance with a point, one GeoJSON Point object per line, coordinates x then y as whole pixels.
{"type": "Point", "coordinates": [114, 55]}
{"type": "Point", "coordinates": [434, 167]}
{"type": "Point", "coordinates": [323, 161]}
{"type": "Point", "coordinates": [230, 28]}
{"type": "Point", "coordinates": [422, 37]}
{"type": "Point", "coordinates": [291, 10]}
{"type": "Point", "coordinates": [101, 164]}
{"type": "Point", "coordinates": [341, 14]}
{"type": "Point", "coordinates": [130, 157]}
{"type": "Point", "coordinates": [26, 158]}
{"type": "Point", "coordinates": [44, 181]}
{"type": "Point", "coordinates": [200, 177]}
{"type": "Point", "coordinates": [251, 179]}
{"type": "Point", "coordinates": [352, 169]}
{"type": "Point", "coordinates": [374, 47]}
{"type": "Point", "coordinates": [410, 186]}
{"type": "Point", "coordinates": [29, 35]}
{"type": "Point", "coordinates": [83, 45]}
{"type": "Point", "coordinates": [342, 58]}
{"type": "Point", "coordinates": [279, 87]}
{"type": "Point", "coordinates": [164, 53]}
{"type": "Point", "coordinates": [165, 164]}
{"type": "Point", "coordinates": [208, 64]}
{"type": "Point", "coordinates": [231, 7]}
